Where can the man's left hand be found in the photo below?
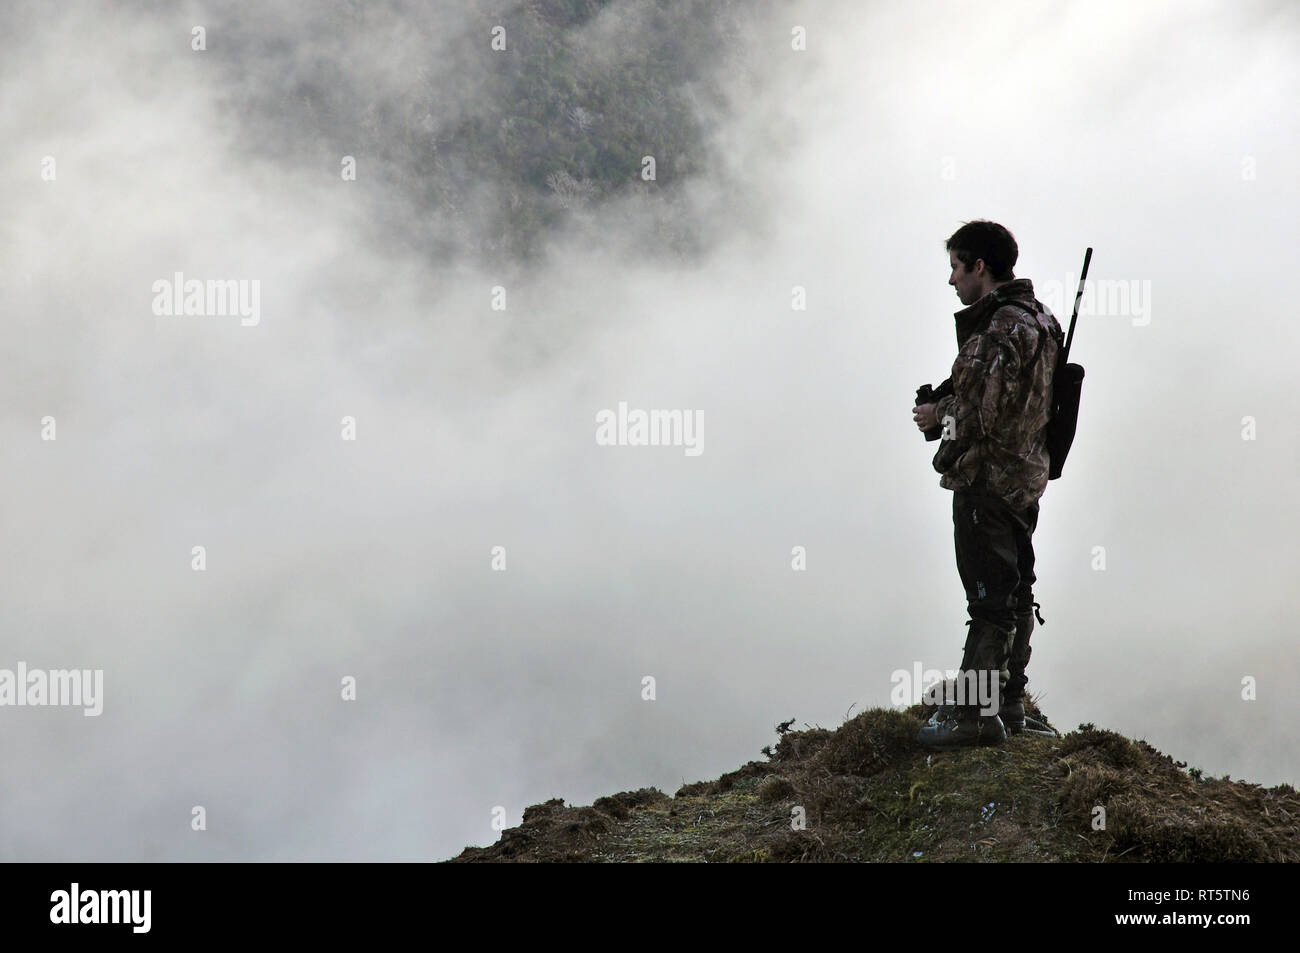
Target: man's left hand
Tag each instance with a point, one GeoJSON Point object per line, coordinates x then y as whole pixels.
{"type": "Point", "coordinates": [926, 416]}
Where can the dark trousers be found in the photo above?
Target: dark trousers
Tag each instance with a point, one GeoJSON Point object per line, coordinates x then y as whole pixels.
{"type": "Point", "coordinates": [995, 557]}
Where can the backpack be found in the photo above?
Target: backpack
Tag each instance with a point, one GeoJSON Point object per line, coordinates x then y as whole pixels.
{"type": "Point", "coordinates": [1067, 383]}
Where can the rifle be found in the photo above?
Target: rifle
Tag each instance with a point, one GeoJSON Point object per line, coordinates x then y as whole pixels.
{"type": "Point", "coordinates": [1066, 385]}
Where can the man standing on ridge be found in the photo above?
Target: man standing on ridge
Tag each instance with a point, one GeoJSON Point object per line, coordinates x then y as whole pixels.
{"type": "Point", "coordinates": [993, 456]}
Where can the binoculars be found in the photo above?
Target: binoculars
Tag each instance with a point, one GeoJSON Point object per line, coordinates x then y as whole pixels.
{"type": "Point", "coordinates": [925, 394]}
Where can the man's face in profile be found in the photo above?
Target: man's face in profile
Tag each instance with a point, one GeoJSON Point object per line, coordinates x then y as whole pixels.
{"type": "Point", "coordinates": [970, 287]}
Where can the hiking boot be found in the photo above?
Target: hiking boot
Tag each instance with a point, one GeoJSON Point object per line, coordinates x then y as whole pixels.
{"type": "Point", "coordinates": [1012, 713]}
{"type": "Point", "coordinates": [946, 709]}
{"type": "Point", "coordinates": [963, 729]}
{"type": "Point", "coordinates": [1012, 709]}
{"type": "Point", "coordinates": [1021, 651]}
{"type": "Point", "coordinates": [941, 714]}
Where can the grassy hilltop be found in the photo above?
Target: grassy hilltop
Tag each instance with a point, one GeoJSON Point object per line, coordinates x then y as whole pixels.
{"type": "Point", "coordinates": [870, 793]}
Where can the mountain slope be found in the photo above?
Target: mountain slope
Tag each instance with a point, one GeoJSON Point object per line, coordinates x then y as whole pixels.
{"type": "Point", "coordinates": [870, 793]}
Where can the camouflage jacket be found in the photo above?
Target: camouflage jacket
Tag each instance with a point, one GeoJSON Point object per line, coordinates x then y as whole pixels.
{"type": "Point", "coordinates": [996, 437]}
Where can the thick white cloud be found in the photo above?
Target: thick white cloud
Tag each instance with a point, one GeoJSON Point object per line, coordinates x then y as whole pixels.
{"type": "Point", "coordinates": [840, 169]}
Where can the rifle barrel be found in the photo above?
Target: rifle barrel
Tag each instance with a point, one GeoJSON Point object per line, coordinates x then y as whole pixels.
{"type": "Point", "coordinates": [1087, 257]}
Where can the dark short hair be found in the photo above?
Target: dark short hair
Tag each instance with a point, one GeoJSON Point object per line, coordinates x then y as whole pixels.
{"type": "Point", "coordinates": [989, 241]}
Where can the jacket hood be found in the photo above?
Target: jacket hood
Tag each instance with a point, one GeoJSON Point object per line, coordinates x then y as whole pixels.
{"type": "Point", "coordinates": [969, 320]}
